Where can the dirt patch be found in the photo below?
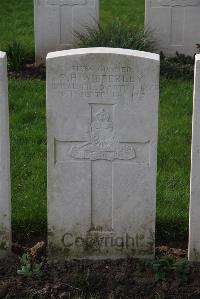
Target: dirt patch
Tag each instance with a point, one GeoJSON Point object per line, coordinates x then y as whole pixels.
{"type": "Point", "coordinates": [28, 72]}
{"type": "Point", "coordinates": [125, 278]}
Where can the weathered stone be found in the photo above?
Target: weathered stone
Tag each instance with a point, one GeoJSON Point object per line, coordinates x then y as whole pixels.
{"type": "Point", "coordinates": [5, 204]}
{"type": "Point", "coordinates": [174, 25]}
{"type": "Point", "coordinates": [57, 21]}
{"type": "Point", "coordinates": [194, 230]}
{"type": "Point", "coordinates": [102, 151]}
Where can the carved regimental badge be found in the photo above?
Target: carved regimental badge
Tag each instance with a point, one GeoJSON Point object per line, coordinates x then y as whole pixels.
{"type": "Point", "coordinates": [104, 143]}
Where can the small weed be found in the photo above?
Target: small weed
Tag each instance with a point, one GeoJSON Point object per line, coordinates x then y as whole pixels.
{"type": "Point", "coordinates": [180, 66]}
{"type": "Point", "coordinates": [163, 267]}
{"type": "Point", "coordinates": [183, 270]}
{"type": "Point", "coordinates": [116, 35]}
{"type": "Point", "coordinates": [166, 266]}
{"type": "Point", "coordinates": [90, 282]}
{"type": "Point", "coordinates": [17, 55]}
{"type": "Point", "coordinates": [29, 268]}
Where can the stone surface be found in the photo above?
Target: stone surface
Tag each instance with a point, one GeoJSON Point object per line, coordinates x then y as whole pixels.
{"type": "Point", "coordinates": [102, 151]}
{"type": "Point", "coordinates": [5, 198]}
{"type": "Point", "coordinates": [194, 230]}
{"type": "Point", "coordinates": [174, 25]}
{"type": "Point", "coordinates": [56, 22]}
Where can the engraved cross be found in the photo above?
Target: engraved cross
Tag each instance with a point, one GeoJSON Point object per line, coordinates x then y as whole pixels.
{"type": "Point", "coordinates": [66, 16]}
{"type": "Point", "coordinates": [103, 150]}
{"type": "Point", "coordinates": [177, 13]}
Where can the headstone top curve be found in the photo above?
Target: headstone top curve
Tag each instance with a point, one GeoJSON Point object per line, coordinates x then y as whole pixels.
{"type": "Point", "coordinates": [2, 54]}
{"type": "Point", "coordinates": [197, 57]}
{"type": "Point", "coordinates": [104, 50]}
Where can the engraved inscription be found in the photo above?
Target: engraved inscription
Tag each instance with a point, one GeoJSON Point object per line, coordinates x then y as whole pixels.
{"type": "Point", "coordinates": [104, 143]}
{"type": "Point", "coordinates": [100, 81]}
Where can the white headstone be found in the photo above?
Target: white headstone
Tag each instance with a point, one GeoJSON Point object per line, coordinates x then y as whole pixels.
{"type": "Point", "coordinates": [5, 198]}
{"type": "Point", "coordinates": [194, 230]}
{"type": "Point", "coordinates": [57, 21]}
{"type": "Point", "coordinates": [102, 112]}
{"type": "Point", "coordinates": [174, 25]}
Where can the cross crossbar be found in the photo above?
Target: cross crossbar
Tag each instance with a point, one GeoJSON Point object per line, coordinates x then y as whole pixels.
{"type": "Point", "coordinates": [182, 3]}
{"type": "Point", "coordinates": [102, 150]}
{"type": "Point", "coordinates": [66, 2]}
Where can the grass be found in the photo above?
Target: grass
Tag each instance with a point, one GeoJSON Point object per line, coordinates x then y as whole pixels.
{"type": "Point", "coordinates": [28, 156]}
{"type": "Point", "coordinates": [116, 35]}
{"type": "Point", "coordinates": [16, 23]}
{"type": "Point", "coordinates": [28, 131]}
{"type": "Point", "coordinates": [174, 159]}
{"type": "Point", "coordinates": [128, 11]}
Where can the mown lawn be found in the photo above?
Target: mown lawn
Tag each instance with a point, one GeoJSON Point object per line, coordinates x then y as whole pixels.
{"type": "Point", "coordinates": [174, 159]}
{"type": "Point", "coordinates": [28, 156]}
{"type": "Point", "coordinates": [28, 131]}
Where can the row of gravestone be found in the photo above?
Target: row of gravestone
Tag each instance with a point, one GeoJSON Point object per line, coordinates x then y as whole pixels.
{"type": "Point", "coordinates": [173, 23]}
{"type": "Point", "coordinates": [102, 122]}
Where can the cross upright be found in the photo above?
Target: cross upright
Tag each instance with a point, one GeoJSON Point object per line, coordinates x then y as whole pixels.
{"type": "Point", "coordinates": [57, 21]}
{"type": "Point", "coordinates": [66, 8]}
{"type": "Point", "coordinates": [103, 150]}
{"type": "Point", "coordinates": [178, 13]}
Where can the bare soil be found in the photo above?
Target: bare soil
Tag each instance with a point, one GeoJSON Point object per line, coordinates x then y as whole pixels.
{"type": "Point", "coordinates": [28, 72]}
{"type": "Point", "coordinates": [125, 278]}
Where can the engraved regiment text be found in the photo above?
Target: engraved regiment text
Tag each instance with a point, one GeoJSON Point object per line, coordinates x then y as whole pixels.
{"type": "Point", "coordinates": [89, 81]}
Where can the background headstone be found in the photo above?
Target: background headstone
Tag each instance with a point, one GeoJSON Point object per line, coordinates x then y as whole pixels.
{"type": "Point", "coordinates": [194, 230]}
{"type": "Point", "coordinates": [174, 25]}
{"type": "Point", "coordinates": [56, 22]}
{"type": "Point", "coordinates": [5, 197]}
{"type": "Point", "coordinates": [102, 150]}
